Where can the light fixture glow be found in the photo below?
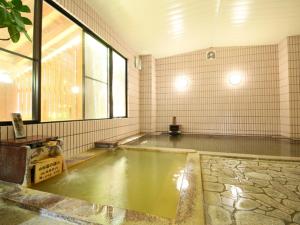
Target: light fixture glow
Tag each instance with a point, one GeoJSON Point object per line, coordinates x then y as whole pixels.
{"type": "Point", "coordinates": [182, 83]}
{"type": "Point", "coordinates": [235, 78]}
{"type": "Point", "coordinates": [176, 23]}
{"type": "Point", "coordinates": [177, 27]}
{"type": "Point", "coordinates": [240, 13]}
{"type": "Point", "coordinates": [75, 89]}
{"type": "Point", "coordinates": [5, 78]}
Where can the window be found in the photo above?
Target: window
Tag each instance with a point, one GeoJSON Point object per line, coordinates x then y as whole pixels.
{"type": "Point", "coordinates": [119, 86]}
{"type": "Point", "coordinates": [16, 76]}
{"type": "Point", "coordinates": [61, 70]}
{"type": "Point", "coordinates": [15, 86]}
{"type": "Point", "coordinates": [66, 73]}
{"type": "Point", "coordinates": [96, 78]}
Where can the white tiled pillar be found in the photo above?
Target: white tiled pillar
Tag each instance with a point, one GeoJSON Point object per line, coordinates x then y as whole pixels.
{"type": "Point", "coordinates": [289, 67]}
{"type": "Point", "coordinates": [147, 95]}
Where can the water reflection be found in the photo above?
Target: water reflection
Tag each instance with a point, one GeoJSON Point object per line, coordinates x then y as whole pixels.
{"type": "Point", "coordinates": [181, 181]}
{"type": "Point", "coordinates": [235, 191]}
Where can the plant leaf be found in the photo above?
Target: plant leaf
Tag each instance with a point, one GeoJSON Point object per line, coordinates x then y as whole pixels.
{"type": "Point", "coordinates": [10, 17]}
{"type": "Point", "coordinates": [17, 3]}
{"type": "Point", "coordinates": [3, 15]}
{"type": "Point", "coordinates": [20, 29]}
{"type": "Point", "coordinates": [18, 19]}
{"type": "Point", "coordinates": [4, 3]}
{"type": "Point", "coordinates": [26, 34]}
{"type": "Point", "coordinates": [14, 33]}
{"type": "Point", "coordinates": [10, 5]}
{"type": "Point", "coordinates": [26, 21]}
{"type": "Point", "coordinates": [24, 9]}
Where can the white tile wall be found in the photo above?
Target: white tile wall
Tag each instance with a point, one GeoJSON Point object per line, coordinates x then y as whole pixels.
{"type": "Point", "coordinates": [210, 105]}
{"type": "Point", "coordinates": [294, 85]}
{"type": "Point", "coordinates": [80, 135]}
{"type": "Point", "coordinates": [147, 95]}
{"type": "Point", "coordinates": [284, 89]}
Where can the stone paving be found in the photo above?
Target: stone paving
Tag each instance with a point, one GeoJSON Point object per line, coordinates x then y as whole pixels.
{"type": "Point", "coordinates": [250, 192]}
{"type": "Point", "coordinates": [13, 215]}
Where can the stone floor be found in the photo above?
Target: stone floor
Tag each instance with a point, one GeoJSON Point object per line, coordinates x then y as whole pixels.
{"type": "Point", "coordinates": [250, 192]}
{"type": "Point", "coordinates": [13, 215]}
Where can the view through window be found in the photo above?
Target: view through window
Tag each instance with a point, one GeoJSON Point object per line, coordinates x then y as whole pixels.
{"type": "Point", "coordinates": [82, 77]}
{"type": "Point", "coordinates": [61, 73]}
{"type": "Point", "coordinates": [96, 78]}
{"type": "Point", "coordinates": [119, 85]}
{"type": "Point", "coordinates": [16, 78]}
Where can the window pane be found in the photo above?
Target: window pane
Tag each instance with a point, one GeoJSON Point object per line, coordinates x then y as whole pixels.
{"type": "Point", "coordinates": [23, 46]}
{"type": "Point", "coordinates": [96, 58]}
{"type": "Point", "coordinates": [119, 86]}
{"type": "Point", "coordinates": [96, 79]}
{"type": "Point", "coordinates": [96, 100]}
{"type": "Point", "coordinates": [61, 67]}
{"type": "Point", "coordinates": [15, 86]}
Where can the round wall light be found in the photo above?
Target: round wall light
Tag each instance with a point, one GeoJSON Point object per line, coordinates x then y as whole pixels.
{"type": "Point", "coordinates": [182, 83]}
{"type": "Point", "coordinates": [235, 78]}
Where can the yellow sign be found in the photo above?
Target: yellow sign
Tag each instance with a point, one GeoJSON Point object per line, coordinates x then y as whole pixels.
{"type": "Point", "coordinates": [48, 168]}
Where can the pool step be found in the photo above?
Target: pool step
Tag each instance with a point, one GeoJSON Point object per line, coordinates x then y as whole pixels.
{"type": "Point", "coordinates": [106, 144]}
{"type": "Point", "coordinates": [115, 143]}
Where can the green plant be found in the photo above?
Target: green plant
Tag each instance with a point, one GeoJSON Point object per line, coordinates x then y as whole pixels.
{"type": "Point", "coordinates": [11, 18]}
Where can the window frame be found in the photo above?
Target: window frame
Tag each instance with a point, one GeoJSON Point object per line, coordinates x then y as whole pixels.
{"type": "Point", "coordinates": [37, 62]}
{"type": "Point", "coordinates": [111, 85]}
{"type": "Point", "coordinates": [84, 75]}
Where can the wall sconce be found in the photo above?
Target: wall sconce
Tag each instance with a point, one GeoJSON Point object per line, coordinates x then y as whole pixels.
{"type": "Point", "coordinates": [235, 78]}
{"type": "Point", "coordinates": [182, 83]}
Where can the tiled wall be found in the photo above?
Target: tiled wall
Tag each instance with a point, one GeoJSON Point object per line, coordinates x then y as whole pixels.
{"type": "Point", "coordinates": [80, 136]}
{"type": "Point", "coordinates": [147, 95]}
{"type": "Point", "coordinates": [294, 84]}
{"type": "Point", "coordinates": [289, 64]}
{"type": "Point", "coordinates": [284, 88]}
{"type": "Point", "coordinates": [210, 104]}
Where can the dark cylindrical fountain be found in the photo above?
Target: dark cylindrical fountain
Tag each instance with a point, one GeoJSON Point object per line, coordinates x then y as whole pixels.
{"type": "Point", "coordinates": [174, 128]}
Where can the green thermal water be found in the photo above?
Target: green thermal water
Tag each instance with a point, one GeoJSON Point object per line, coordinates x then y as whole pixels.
{"type": "Point", "coordinates": [224, 144]}
{"type": "Point", "coordinates": [145, 181]}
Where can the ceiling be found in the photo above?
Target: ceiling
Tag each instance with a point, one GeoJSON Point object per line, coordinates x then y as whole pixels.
{"type": "Point", "coordinates": [168, 27]}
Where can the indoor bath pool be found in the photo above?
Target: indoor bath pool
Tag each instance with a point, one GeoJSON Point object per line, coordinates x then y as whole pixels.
{"type": "Point", "coordinates": [144, 181]}
{"type": "Point", "coordinates": [223, 144]}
